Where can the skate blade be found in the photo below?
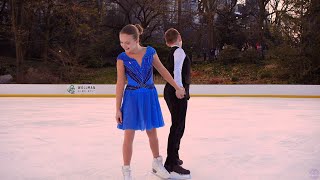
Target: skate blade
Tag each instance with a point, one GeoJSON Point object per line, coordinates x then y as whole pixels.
{"type": "Point", "coordinates": [173, 176]}
{"type": "Point", "coordinates": [157, 177]}
{"type": "Point", "coordinates": [176, 176]}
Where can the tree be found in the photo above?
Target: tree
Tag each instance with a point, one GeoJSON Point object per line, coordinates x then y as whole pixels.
{"type": "Point", "coordinates": [208, 9]}
{"type": "Point", "coordinates": [227, 24]}
{"type": "Point", "coordinates": [5, 23]}
{"type": "Point", "coordinates": [262, 23]}
{"type": "Point", "coordinates": [145, 12]}
{"type": "Point", "coordinates": [179, 13]}
{"type": "Point", "coordinates": [18, 21]}
{"type": "Point", "coordinates": [311, 38]}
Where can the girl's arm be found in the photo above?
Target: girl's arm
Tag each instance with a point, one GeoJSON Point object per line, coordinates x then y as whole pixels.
{"type": "Point", "coordinates": [167, 76]}
{"type": "Point", "coordinates": [119, 89]}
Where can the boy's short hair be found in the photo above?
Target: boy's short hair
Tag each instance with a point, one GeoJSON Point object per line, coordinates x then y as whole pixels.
{"type": "Point", "coordinates": [171, 35]}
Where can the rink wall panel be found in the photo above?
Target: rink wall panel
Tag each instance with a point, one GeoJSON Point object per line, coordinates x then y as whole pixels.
{"type": "Point", "coordinates": [196, 90]}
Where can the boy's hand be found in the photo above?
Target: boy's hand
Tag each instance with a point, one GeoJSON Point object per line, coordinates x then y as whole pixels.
{"type": "Point", "coordinates": [180, 93]}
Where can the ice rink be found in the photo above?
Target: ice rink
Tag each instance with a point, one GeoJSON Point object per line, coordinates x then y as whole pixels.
{"type": "Point", "coordinates": [226, 138]}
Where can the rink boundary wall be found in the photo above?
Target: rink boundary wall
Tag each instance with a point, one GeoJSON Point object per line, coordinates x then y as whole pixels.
{"type": "Point", "coordinates": [196, 90]}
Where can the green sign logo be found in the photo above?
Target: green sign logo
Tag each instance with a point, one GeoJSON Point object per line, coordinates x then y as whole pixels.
{"type": "Point", "coordinates": [71, 89]}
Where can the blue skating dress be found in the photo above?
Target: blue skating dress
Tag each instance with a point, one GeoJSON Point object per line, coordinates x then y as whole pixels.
{"type": "Point", "coordinates": [140, 105]}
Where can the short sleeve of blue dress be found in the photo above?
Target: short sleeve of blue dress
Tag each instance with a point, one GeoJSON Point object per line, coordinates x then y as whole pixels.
{"type": "Point", "coordinates": [140, 105]}
{"type": "Point", "coordinates": [121, 56]}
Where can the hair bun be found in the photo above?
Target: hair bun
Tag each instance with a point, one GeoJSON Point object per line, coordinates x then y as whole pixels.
{"type": "Point", "coordinates": [140, 28]}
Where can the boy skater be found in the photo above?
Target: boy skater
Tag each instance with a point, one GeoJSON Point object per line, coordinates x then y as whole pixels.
{"type": "Point", "coordinates": [178, 65]}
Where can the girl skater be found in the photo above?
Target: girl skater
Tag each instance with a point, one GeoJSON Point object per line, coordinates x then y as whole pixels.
{"type": "Point", "coordinates": [137, 106]}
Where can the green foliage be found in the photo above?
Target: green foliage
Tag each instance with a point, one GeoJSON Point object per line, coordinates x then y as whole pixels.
{"type": "Point", "coordinates": [311, 41]}
{"type": "Point", "coordinates": [93, 61]}
{"type": "Point", "coordinates": [229, 55]}
{"type": "Point", "coordinates": [106, 75]}
{"type": "Point", "coordinates": [91, 57]}
{"type": "Point", "coordinates": [264, 74]}
{"type": "Point", "coordinates": [77, 34]}
{"type": "Point", "coordinates": [7, 66]}
{"type": "Point", "coordinates": [292, 65]}
{"type": "Point", "coordinates": [95, 55]}
{"type": "Point", "coordinates": [42, 75]}
{"type": "Point", "coordinates": [3, 70]}
{"type": "Point", "coordinates": [234, 78]}
{"type": "Point", "coordinates": [250, 56]}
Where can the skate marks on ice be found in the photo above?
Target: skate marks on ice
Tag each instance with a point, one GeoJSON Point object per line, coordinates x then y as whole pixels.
{"type": "Point", "coordinates": [152, 176]}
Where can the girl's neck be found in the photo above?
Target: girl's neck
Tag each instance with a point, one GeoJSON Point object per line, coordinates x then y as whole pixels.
{"type": "Point", "coordinates": [137, 50]}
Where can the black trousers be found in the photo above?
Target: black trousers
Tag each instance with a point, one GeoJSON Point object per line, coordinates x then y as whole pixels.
{"type": "Point", "coordinates": [178, 110]}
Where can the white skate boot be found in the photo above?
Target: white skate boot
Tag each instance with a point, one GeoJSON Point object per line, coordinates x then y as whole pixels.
{"type": "Point", "coordinates": [158, 168]}
{"type": "Point", "coordinates": [126, 171]}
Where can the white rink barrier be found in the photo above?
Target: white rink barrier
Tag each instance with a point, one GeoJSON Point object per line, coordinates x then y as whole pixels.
{"type": "Point", "coordinates": [196, 90]}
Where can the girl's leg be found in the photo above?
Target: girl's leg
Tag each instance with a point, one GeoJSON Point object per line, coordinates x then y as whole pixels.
{"type": "Point", "coordinates": [127, 146]}
{"type": "Point", "coordinates": [153, 141]}
{"type": "Point", "coordinates": [157, 163]}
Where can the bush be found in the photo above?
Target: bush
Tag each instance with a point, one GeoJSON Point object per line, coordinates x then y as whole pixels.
{"type": "Point", "coordinates": [7, 66]}
{"type": "Point", "coordinates": [229, 55]}
{"type": "Point", "coordinates": [250, 56]}
{"type": "Point", "coordinates": [292, 65]}
{"type": "Point", "coordinates": [218, 80]}
{"type": "Point", "coordinates": [235, 79]}
{"type": "Point", "coordinates": [92, 62]}
{"type": "Point", "coordinates": [264, 74]}
{"type": "Point", "coordinates": [97, 54]}
{"type": "Point", "coordinates": [3, 70]}
{"type": "Point", "coordinates": [40, 76]}
{"type": "Point", "coordinates": [91, 57]}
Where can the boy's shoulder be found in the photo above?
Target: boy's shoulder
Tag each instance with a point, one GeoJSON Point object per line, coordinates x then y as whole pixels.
{"type": "Point", "coordinates": [179, 50]}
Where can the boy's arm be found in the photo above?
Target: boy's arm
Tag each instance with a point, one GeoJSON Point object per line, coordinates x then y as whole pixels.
{"type": "Point", "coordinates": [179, 56]}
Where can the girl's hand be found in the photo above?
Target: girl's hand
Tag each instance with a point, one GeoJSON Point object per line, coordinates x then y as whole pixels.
{"type": "Point", "coordinates": [180, 93]}
{"type": "Point", "coordinates": [119, 117]}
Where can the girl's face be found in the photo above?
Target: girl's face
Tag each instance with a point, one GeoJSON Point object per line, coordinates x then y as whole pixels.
{"type": "Point", "coordinates": [128, 43]}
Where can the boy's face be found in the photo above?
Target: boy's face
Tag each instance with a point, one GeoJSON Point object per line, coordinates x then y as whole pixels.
{"type": "Point", "coordinates": [127, 42]}
{"type": "Point", "coordinates": [180, 41]}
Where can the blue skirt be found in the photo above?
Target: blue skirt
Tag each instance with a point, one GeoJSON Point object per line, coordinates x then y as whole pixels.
{"type": "Point", "coordinates": [141, 110]}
